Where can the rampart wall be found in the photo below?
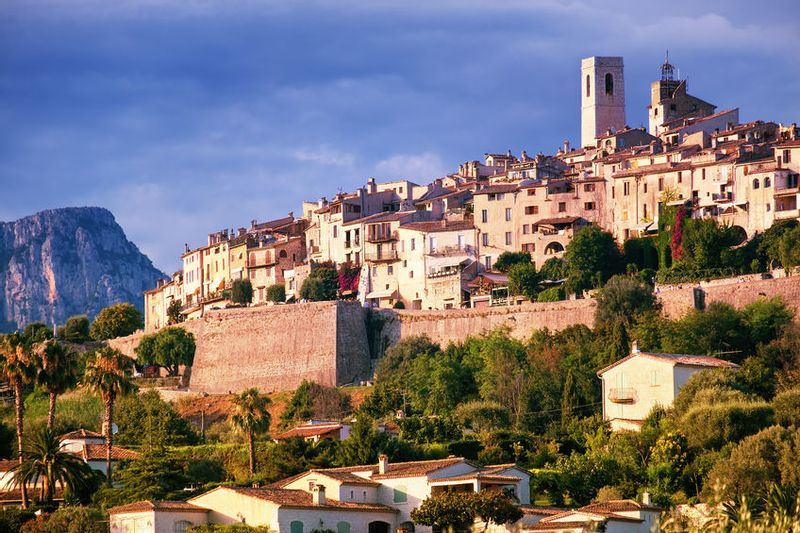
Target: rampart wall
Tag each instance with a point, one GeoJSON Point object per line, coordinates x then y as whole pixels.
{"type": "Point", "coordinates": [337, 343]}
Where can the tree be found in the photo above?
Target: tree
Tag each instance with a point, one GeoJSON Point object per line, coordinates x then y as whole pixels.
{"type": "Point", "coordinates": [116, 321]}
{"type": "Point", "coordinates": [276, 293]}
{"type": "Point", "coordinates": [156, 475]}
{"type": "Point", "coordinates": [322, 284]}
{"type": "Point", "coordinates": [506, 260]}
{"type": "Point", "coordinates": [766, 318]}
{"type": "Point", "coordinates": [621, 299]}
{"type": "Point", "coordinates": [69, 519]}
{"type": "Point", "coordinates": [789, 250]}
{"type": "Point", "coordinates": [148, 421]}
{"type": "Point", "coordinates": [108, 374]}
{"type": "Point", "coordinates": [251, 416]}
{"type": "Point", "coordinates": [17, 367]}
{"type": "Point", "coordinates": [592, 257]}
{"type": "Point", "coordinates": [496, 507]}
{"type": "Point", "coordinates": [242, 292]}
{"type": "Point", "coordinates": [45, 463]}
{"type": "Point", "coordinates": [169, 348]}
{"type": "Point", "coordinates": [36, 332]}
{"type": "Point", "coordinates": [769, 247]}
{"type": "Point", "coordinates": [787, 407]}
{"type": "Point", "coordinates": [554, 269]}
{"type": "Point", "coordinates": [57, 372]}
{"type": "Point", "coordinates": [76, 329]}
{"type": "Point", "coordinates": [712, 425]}
{"type": "Point", "coordinates": [174, 315]}
{"type": "Point", "coordinates": [523, 280]}
{"type": "Point", "coordinates": [448, 511]}
{"type": "Point", "coordinates": [482, 417]}
{"type": "Point", "coordinates": [312, 400]}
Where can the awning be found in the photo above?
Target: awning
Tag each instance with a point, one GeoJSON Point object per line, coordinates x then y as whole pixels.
{"type": "Point", "coordinates": [381, 294]}
{"type": "Point", "coordinates": [216, 283]}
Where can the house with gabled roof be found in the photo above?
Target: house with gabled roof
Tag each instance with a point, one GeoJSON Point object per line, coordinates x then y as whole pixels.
{"type": "Point", "coordinates": [316, 430]}
{"type": "Point", "coordinates": [635, 384]}
{"type": "Point", "coordinates": [616, 516]}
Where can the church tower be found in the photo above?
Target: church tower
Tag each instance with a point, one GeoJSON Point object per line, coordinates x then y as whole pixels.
{"type": "Point", "coordinates": [602, 97]}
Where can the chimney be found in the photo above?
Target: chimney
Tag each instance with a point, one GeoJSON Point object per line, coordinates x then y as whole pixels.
{"type": "Point", "coordinates": [291, 214]}
{"type": "Point", "coordinates": [383, 463]}
{"type": "Point", "coordinates": [322, 202]}
{"type": "Point", "coordinates": [318, 495]}
{"type": "Point", "coordinates": [646, 498]}
{"type": "Point", "coordinates": [372, 187]}
{"type": "Point", "coordinates": [635, 346]}
{"type": "Point", "coordinates": [566, 146]}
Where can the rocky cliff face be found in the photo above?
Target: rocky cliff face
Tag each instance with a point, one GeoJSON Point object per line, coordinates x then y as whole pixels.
{"type": "Point", "coordinates": [64, 262]}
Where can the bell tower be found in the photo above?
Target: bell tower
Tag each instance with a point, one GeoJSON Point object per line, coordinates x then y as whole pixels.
{"type": "Point", "coordinates": [602, 97]}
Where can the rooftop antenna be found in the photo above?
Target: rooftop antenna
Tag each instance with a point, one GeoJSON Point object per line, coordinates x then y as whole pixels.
{"type": "Point", "coordinates": [667, 70]}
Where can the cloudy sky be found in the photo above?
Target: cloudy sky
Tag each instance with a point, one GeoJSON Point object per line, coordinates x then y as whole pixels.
{"type": "Point", "coordinates": [183, 117]}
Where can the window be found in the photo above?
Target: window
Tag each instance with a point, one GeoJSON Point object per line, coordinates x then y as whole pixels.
{"type": "Point", "coordinates": [654, 378]}
{"type": "Point", "coordinates": [432, 244]}
{"type": "Point", "coordinates": [756, 184]}
{"type": "Point", "coordinates": [589, 206]}
{"type": "Point", "coordinates": [562, 207]}
{"type": "Point", "coordinates": [530, 248]}
{"type": "Point", "coordinates": [588, 86]}
{"type": "Point", "coordinates": [673, 107]}
{"type": "Point", "coordinates": [296, 526]}
{"type": "Point", "coordinates": [531, 209]}
{"type": "Point", "coordinates": [487, 262]}
{"type": "Point", "coordinates": [484, 216]}
{"type": "Point", "coordinates": [508, 214]}
{"type": "Point", "coordinates": [769, 207]}
{"type": "Point", "coordinates": [390, 270]}
{"type": "Point", "coordinates": [410, 273]}
{"type": "Point", "coordinates": [626, 188]}
{"type": "Point", "coordinates": [531, 192]}
{"type": "Point", "coordinates": [588, 187]}
{"type": "Point", "coordinates": [767, 182]}
{"type": "Point", "coordinates": [343, 527]}
{"type": "Point", "coordinates": [644, 187]}
{"type": "Point", "coordinates": [400, 494]}
{"type": "Point", "coordinates": [182, 526]}
{"type": "Point", "coordinates": [508, 238]}
{"type": "Point", "coordinates": [526, 228]}
{"type": "Point", "coordinates": [609, 84]}
{"type": "Point", "coordinates": [374, 271]}
{"type": "Point", "coordinates": [485, 239]}
{"type": "Point", "coordinates": [660, 184]}
{"type": "Point", "coordinates": [787, 156]}
{"type": "Point", "coordinates": [335, 231]}
{"type": "Point", "coordinates": [613, 192]}
{"type": "Point", "coordinates": [413, 244]}
{"type": "Point", "coordinates": [703, 173]}
{"type": "Point", "coordinates": [282, 255]}
{"type": "Point", "coordinates": [644, 211]}
{"type": "Point", "coordinates": [405, 263]}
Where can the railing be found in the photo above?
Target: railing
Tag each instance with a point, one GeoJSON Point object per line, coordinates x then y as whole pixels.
{"type": "Point", "coordinates": [622, 395]}
{"type": "Point", "coordinates": [382, 237]}
{"type": "Point", "coordinates": [722, 196]}
{"type": "Point", "coordinates": [350, 244]}
{"type": "Point", "coordinates": [449, 251]}
{"type": "Point", "coordinates": [551, 231]}
{"type": "Point", "coordinates": [313, 249]}
{"type": "Point", "coordinates": [375, 257]}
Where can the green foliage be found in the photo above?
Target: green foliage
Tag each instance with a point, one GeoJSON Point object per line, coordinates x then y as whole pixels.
{"type": "Point", "coordinates": [231, 528]}
{"type": "Point", "coordinates": [769, 247]}
{"type": "Point", "coordinates": [419, 430]}
{"type": "Point", "coordinates": [765, 319]}
{"type": "Point", "coordinates": [483, 416]}
{"type": "Point", "coordinates": [322, 284]}
{"type": "Point", "coordinates": [157, 475]}
{"type": "Point", "coordinates": [523, 280]}
{"type": "Point", "coordinates": [147, 420]}
{"type": "Point", "coordinates": [174, 315]}
{"type": "Point", "coordinates": [312, 400]}
{"type": "Point", "coordinates": [553, 294]}
{"type": "Point", "coordinates": [37, 332]}
{"type": "Point", "coordinates": [592, 257]}
{"type": "Point", "coordinates": [69, 519]}
{"type": "Point", "coordinates": [76, 329]}
{"type": "Point", "coordinates": [242, 292]}
{"type": "Point", "coordinates": [642, 252]}
{"type": "Point", "coordinates": [75, 410]}
{"type": "Point", "coordinates": [364, 444]}
{"type": "Point", "coordinates": [668, 458]}
{"type": "Point", "coordinates": [506, 260]}
{"type": "Point", "coordinates": [787, 407]}
{"type": "Point", "coordinates": [116, 321]}
{"type": "Point", "coordinates": [169, 348]}
{"type": "Point", "coordinates": [496, 507]}
{"type": "Point", "coordinates": [711, 426]}
{"type": "Point", "coordinates": [11, 520]}
{"type": "Point", "coordinates": [276, 293]}
{"type": "Point", "coordinates": [789, 250]}
{"type": "Point", "coordinates": [250, 416]}
{"type": "Point", "coordinates": [446, 509]}
{"type": "Point", "coordinates": [704, 241]}
{"type": "Point", "coordinates": [554, 269]}
{"type": "Point", "coordinates": [622, 299]}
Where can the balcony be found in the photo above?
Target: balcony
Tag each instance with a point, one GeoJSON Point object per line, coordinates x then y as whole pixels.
{"type": "Point", "coordinates": [622, 394]}
{"type": "Point", "coordinates": [787, 213]}
{"type": "Point", "coordinates": [352, 244]}
{"type": "Point", "coordinates": [722, 197]}
{"type": "Point", "coordinates": [377, 257]}
{"type": "Point", "coordinates": [452, 251]}
{"type": "Point", "coordinates": [313, 249]}
{"type": "Point", "coordinates": [786, 191]}
{"type": "Point", "coordinates": [382, 237]}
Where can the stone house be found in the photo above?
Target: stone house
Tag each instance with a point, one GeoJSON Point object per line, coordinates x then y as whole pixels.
{"type": "Point", "coordinates": [636, 384]}
{"type": "Point", "coordinates": [268, 260]}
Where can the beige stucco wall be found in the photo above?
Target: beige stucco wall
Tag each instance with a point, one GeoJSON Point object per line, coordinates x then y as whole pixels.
{"type": "Point", "coordinates": [651, 379]}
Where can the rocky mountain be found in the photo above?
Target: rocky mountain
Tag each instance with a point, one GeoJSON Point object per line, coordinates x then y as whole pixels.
{"type": "Point", "coordinates": [64, 262]}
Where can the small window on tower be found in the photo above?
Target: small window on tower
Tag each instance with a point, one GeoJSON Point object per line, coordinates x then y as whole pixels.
{"type": "Point", "coordinates": [609, 84]}
{"type": "Point", "coordinates": [588, 86]}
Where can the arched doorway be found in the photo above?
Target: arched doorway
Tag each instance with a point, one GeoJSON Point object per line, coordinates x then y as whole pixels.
{"type": "Point", "coordinates": [378, 527]}
{"type": "Point", "coordinates": [553, 248]}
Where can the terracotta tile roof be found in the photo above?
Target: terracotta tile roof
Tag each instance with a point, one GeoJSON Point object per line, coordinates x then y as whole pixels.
{"type": "Point", "coordinates": [694, 120]}
{"type": "Point", "coordinates": [557, 220]}
{"type": "Point", "coordinates": [386, 216]}
{"type": "Point", "coordinates": [81, 434]}
{"type": "Point", "coordinates": [157, 505]}
{"type": "Point", "coordinates": [652, 169]}
{"type": "Point", "coordinates": [542, 511]}
{"type": "Point", "coordinates": [7, 464]}
{"type": "Point", "coordinates": [274, 224]}
{"type": "Point", "coordinates": [592, 515]}
{"type": "Point", "coordinates": [347, 478]}
{"type": "Point", "coordinates": [676, 359]}
{"type": "Point", "coordinates": [303, 500]}
{"type": "Point", "coordinates": [15, 496]}
{"type": "Point", "coordinates": [551, 526]}
{"type": "Point", "coordinates": [619, 506]}
{"type": "Point", "coordinates": [312, 430]}
{"type": "Point", "coordinates": [794, 143]}
{"type": "Point", "coordinates": [97, 452]}
{"type": "Point", "coordinates": [439, 226]}
{"type": "Point", "coordinates": [482, 476]}
{"type": "Point", "coordinates": [498, 188]}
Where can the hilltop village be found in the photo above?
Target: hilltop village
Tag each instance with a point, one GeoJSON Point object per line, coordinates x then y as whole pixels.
{"type": "Point", "coordinates": [434, 246]}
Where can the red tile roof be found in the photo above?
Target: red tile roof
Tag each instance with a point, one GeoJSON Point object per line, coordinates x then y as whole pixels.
{"type": "Point", "coordinates": [156, 505]}
{"type": "Point", "coordinates": [618, 506]}
{"type": "Point", "coordinates": [7, 464]}
{"type": "Point", "coordinates": [557, 220]}
{"type": "Point", "coordinates": [312, 430]}
{"type": "Point", "coordinates": [97, 452]}
{"type": "Point", "coordinates": [303, 500]}
{"type": "Point", "coordinates": [81, 434]}
{"type": "Point", "coordinates": [498, 188]}
{"type": "Point", "coordinates": [481, 476]}
{"type": "Point", "coordinates": [406, 469]}
{"type": "Point", "coordinates": [676, 359]}
{"type": "Point", "coordinates": [439, 226]}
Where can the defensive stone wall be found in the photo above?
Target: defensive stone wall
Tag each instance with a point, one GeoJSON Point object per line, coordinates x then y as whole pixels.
{"type": "Point", "coordinates": [455, 325]}
{"type": "Point", "coordinates": [677, 300]}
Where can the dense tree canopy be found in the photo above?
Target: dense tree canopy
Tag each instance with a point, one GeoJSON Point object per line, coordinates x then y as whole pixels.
{"type": "Point", "coordinates": [591, 257]}
{"type": "Point", "coordinates": [170, 348]}
{"type": "Point", "coordinates": [116, 321]}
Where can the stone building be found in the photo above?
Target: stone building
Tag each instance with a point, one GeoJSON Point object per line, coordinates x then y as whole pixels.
{"type": "Point", "coordinates": [602, 97]}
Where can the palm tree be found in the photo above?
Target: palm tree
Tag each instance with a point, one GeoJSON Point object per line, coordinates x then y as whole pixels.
{"type": "Point", "coordinates": [57, 372]}
{"type": "Point", "coordinates": [43, 461]}
{"type": "Point", "coordinates": [108, 374]}
{"type": "Point", "coordinates": [17, 366]}
{"type": "Point", "coordinates": [251, 416]}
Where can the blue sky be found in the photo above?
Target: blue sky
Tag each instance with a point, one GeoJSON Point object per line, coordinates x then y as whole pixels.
{"type": "Point", "coordinates": [186, 117]}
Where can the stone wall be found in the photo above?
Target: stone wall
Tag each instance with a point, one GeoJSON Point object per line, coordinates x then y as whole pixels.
{"type": "Point", "coordinates": [678, 300]}
{"type": "Point", "coordinates": [453, 325]}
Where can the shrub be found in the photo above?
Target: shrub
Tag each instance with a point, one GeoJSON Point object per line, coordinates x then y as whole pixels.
{"type": "Point", "coordinates": [483, 416]}
{"type": "Point", "coordinates": [506, 260]}
{"type": "Point", "coordinates": [116, 321]}
{"type": "Point", "coordinates": [12, 519]}
{"type": "Point", "coordinates": [276, 293]}
{"type": "Point", "coordinates": [242, 292]}
{"type": "Point", "coordinates": [76, 329]}
{"type": "Point", "coordinates": [713, 426]}
{"type": "Point", "coordinates": [553, 294]}
{"type": "Point", "coordinates": [71, 519]}
{"type": "Point", "coordinates": [787, 407]}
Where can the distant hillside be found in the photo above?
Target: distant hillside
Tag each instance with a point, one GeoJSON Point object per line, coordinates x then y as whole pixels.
{"type": "Point", "coordinates": [63, 262]}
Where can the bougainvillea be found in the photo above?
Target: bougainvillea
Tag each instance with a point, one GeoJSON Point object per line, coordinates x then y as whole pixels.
{"type": "Point", "coordinates": [677, 235]}
{"type": "Point", "coordinates": [348, 278]}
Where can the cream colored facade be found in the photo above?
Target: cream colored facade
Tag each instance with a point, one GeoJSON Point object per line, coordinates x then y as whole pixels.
{"type": "Point", "coordinates": [158, 300]}
{"type": "Point", "coordinates": [158, 520]}
{"type": "Point", "coordinates": [636, 384]}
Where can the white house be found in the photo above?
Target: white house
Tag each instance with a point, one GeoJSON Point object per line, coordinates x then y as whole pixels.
{"type": "Point", "coordinates": [374, 498]}
{"type": "Point", "coordinates": [635, 384]}
{"type": "Point", "coordinates": [617, 516]}
{"type": "Point", "coordinates": [156, 517]}
{"type": "Point", "coordinates": [316, 430]}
